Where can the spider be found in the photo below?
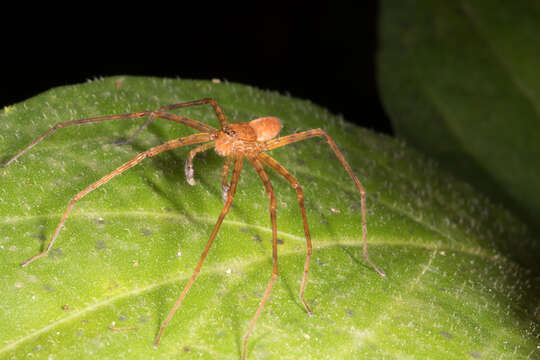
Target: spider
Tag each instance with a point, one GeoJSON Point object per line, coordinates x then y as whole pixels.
{"type": "Point", "coordinates": [235, 142]}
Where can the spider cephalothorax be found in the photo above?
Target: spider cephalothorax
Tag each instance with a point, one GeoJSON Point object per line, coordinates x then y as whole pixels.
{"type": "Point", "coordinates": [235, 142]}
{"type": "Point", "coordinates": [246, 137]}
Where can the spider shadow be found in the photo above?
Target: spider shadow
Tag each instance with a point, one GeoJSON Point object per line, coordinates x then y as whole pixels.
{"type": "Point", "coordinates": [43, 236]}
{"type": "Point", "coordinates": [231, 307]}
{"type": "Point", "coordinates": [333, 233]}
{"type": "Point", "coordinates": [207, 160]}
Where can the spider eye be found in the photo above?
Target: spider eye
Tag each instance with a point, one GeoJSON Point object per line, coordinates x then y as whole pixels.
{"type": "Point", "coordinates": [229, 132]}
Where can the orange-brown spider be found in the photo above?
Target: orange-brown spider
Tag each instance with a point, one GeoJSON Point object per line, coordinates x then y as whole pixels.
{"type": "Point", "coordinates": [233, 141]}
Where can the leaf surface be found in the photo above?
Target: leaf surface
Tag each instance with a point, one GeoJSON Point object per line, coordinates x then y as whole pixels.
{"type": "Point", "coordinates": [455, 287]}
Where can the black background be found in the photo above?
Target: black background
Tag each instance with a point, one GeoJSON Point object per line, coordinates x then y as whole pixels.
{"type": "Point", "coordinates": [324, 52]}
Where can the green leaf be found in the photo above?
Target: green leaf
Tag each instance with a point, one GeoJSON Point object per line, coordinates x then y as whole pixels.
{"type": "Point", "coordinates": [460, 81]}
{"type": "Point", "coordinates": [455, 287]}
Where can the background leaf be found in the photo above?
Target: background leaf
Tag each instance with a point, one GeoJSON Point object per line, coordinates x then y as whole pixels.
{"type": "Point", "coordinates": [460, 81]}
{"type": "Point", "coordinates": [455, 286]}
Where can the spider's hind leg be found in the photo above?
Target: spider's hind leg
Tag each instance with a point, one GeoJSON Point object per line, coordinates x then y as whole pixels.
{"type": "Point", "coordinates": [277, 167]}
{"type": "Point", "coordinates": [308, 134]}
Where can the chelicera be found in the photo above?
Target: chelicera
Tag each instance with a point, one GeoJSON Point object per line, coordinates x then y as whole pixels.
{"type": "Point", "coordinates": [235, 141]}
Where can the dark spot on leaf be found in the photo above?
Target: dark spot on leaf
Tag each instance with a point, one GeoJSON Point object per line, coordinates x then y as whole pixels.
{"type": "Point", "coordinates": [256, 238]}
{"type": "Point", "coordinates": [475, 355]}
{"type": "Point", "coordinates": [318, 261]}
{"type": "Point", "coordinates": [40, 236]}
{"type": "Point", "coordinates": [350, 312]}
{"type": "Point", "coordinates": [56, 253]}
{"type": "Point", "coordinates": [280, 241]}
{"type": "Point", "coordinates": [168, 209]}
{"type": "Point", "coordinates": [112, 285]}
{"type": "Point", "coordinates": [49, 288]}
{"type": "Point", "coordinates": [100, 245]}
{"type": "Point", "coordinates": [186, 349]}
{"type": "Point", "coordinates": [356, 206]}
{"type": "Point", "coordinates": [100, 221]}
{"type": "Point", "coordinates": [146, 232]}
{"type": "Point", "coordinates": [120, 141]}
{"type": "Point", "coordinates": [445, 334]}
{"type": "Point", "coordinates": [244, 230]}
{"type": "Point", "coordinates": [122, 318]}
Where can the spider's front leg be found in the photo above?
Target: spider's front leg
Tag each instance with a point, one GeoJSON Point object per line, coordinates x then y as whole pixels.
{"type": "Point", "coordinates": [172, 144]}
{"type": "Point", "coordinates": [190, 172]}
{"type": "Point", "coordinates": [270, 192]}
{"type": "Point", "coordinates": [188, 168]}
{"type": "Point", "coordinates": [225, 186]}
{"type": "Point", "coordinates": [238, 161]}
{"type": "Point", "coordinates": [217, 109]}
{"type": "Point", "coordinates": [129, 116]}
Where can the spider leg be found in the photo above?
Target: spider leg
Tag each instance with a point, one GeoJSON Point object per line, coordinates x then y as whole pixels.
{"type": "Point", "coordinates": [277, 167]}
{"type": "Point", "coordinates": [172, 144]}
{"type": "Point", "coordinates": [225, 186]}
{"type": "Point", "coordinates": [238, 160]}
{"type": "Point", "coordinates": [285, 140]}
{"type": "Point", "coordinates": [134, 115]}
{"type": "Point", "coordinates": [188, 168]}
{"type": "Point", "coordinates": [217, 109]}
{"type": "Point", "coordinates": [270, 191]}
